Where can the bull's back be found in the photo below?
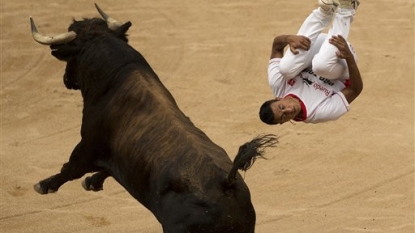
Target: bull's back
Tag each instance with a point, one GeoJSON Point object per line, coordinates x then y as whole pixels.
{"type": "Point", "coordinates": [166, 162]}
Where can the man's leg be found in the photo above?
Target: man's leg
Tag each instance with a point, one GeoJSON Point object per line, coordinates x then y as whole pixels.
{"type": "Point", "coordinates": [292, 64]}
{"type": "Point", "coordinates": [325, 62]}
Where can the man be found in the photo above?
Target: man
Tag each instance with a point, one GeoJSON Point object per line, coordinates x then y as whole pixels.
{"type": "Point", "coordinates": [317, 78]}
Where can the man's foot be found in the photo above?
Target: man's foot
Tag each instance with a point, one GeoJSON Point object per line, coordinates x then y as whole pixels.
{"type": "Point", "coordinates": [348, 4]}
{"type": "Point", "coordinates": [328, 6]}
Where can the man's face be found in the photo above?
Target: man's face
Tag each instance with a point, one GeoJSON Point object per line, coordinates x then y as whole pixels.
{"type": "Point", "coordinates": [285, 109]}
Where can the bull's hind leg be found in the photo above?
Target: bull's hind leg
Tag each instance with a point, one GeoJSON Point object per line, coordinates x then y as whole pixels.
{"type": "Point", "coordinates": [79, 164]}
{"type": "Point", "coordinates": [96, 181]}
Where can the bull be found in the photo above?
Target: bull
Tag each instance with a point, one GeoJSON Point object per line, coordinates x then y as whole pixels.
{"type": "Point", "coordinates": [133, 130]}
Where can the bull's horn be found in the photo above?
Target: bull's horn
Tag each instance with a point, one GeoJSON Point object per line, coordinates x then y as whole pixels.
{"type": "Point", "coordinates": [51, 40]}
{"type": "Point", "coordinates": [112, 23]}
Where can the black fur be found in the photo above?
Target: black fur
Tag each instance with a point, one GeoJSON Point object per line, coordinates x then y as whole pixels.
{"type": "Point", "coordinates": [133, 130]}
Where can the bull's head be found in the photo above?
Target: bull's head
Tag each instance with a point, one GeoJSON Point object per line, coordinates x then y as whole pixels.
{"type": "Point", "coordinates": [67, 37]}
{"type": "Point", "coordinates": [67, 45]}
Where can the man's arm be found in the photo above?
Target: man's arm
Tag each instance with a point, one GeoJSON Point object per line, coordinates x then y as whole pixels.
{"type": "Point", "coordinates": [294, 41]}
{"type": "Point", "coordinates": [356, 83]}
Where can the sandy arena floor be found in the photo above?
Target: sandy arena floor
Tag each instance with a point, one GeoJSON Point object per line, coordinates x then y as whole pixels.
{"type": "Point", "coordinates": [352, 175]}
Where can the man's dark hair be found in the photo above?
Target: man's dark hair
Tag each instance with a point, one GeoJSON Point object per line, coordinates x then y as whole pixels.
{"type": "Point", "coordinates": [265, 112]}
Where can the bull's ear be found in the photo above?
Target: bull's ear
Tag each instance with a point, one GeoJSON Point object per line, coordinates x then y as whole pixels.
{"type": "Point", "coordinates": [121, 32]}
{"type": "Point", "coordinates": [64, 52]}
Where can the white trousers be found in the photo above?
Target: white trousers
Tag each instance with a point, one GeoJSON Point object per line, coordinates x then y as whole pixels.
{"type": "Point", "coordinates": [322, 55]}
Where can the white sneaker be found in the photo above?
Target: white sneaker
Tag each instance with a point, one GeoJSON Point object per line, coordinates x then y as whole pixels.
{"type": "Point", "coordinates": [348, 4]}
{"type": "Point", "coordinates": [328, 6]}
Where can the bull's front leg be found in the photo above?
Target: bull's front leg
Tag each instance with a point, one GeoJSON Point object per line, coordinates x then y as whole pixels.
{"type": "Point", "coordinates": [79, 164]}
{"type": "Point", "coordinates": [96, 181]}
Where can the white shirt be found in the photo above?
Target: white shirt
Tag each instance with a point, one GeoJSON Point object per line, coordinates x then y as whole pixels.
{"type": "Point", "coordinates": [321, 99]}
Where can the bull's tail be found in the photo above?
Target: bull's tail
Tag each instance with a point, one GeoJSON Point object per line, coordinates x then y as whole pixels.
{"type": "Point", "coordinates": [249, 152]}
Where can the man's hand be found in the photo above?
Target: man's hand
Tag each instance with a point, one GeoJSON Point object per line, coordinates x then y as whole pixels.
{"type": "Point", "coordinates": [294, 41]}
{"type": "Point", "coordinates": [298, 42]}
{"type": "Point", "coordinates": [341, 44]}
{"type": "Point", "coordinates": [356, 84]}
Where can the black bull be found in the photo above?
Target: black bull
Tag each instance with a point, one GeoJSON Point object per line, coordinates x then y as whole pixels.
{"type": "Point", "coordinates": [133, 130]}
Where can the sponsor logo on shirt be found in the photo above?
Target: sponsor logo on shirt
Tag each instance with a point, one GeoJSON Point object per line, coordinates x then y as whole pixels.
{"type": "Point", "coordinates": [307, 81]}
{"type": "Point", "coordinates": [317, 86]}
{"type": "Point", "coordinates": [321, 88]}
{"type": "Point", "coordinates": [326, 81]}
{"type": "Point", "coordinates": [323, 79]}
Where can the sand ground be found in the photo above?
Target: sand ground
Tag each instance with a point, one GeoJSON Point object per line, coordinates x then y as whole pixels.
{"type": "Point", "coordinates": [352, 175]}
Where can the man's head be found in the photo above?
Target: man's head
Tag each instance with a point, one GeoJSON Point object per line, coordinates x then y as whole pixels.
{"type": "Point", "coordinates": [265, 112]}
{"type": "Point", "coordinates": [279, 110]}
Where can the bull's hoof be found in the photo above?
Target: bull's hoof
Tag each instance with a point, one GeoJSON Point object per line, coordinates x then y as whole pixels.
{"type": "Point", "coordinates": [42, 190]}
{"type": "Point", "coordinates": [86, 184]}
